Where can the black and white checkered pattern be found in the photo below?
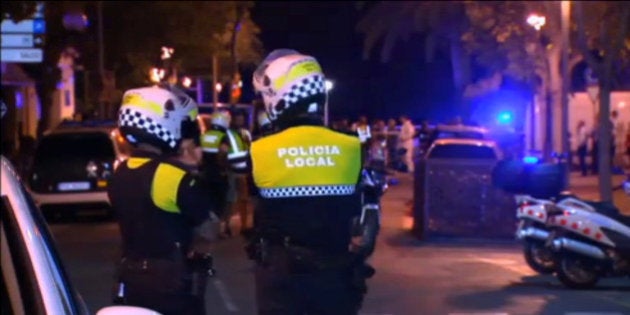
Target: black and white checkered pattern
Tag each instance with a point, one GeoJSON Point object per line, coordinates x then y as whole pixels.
{"type": "Point", "coordinates": [131, 118]}
{"type": "Point", "coordinates": [307, 191]}
{"type": "Point", "coordinates": [306, 87]}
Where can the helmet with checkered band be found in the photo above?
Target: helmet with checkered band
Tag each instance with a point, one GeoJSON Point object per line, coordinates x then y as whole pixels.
{"type": "Point", "coordinates": [156, 115]}
{"type": "Point", "coordinates": [221, 118]}
{"type": "Point", "coordinates": [291, 84]}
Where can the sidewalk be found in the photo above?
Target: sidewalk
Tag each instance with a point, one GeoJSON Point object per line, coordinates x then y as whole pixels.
{"type": "Point", "coordinates": [583, 187]}
{"type": "Point", "coordinates": [587, 188]}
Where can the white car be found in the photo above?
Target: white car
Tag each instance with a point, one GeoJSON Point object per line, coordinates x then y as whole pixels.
{"type": "Point", "coordinates": [34, 281]}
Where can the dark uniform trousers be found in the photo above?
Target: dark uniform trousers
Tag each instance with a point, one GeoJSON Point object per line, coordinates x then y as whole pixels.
{"type": "Point", "coordinates": [282, 290]}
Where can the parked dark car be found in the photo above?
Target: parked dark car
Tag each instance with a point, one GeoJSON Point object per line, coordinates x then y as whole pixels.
{"type": "Point", "coordinates": [72, 165]}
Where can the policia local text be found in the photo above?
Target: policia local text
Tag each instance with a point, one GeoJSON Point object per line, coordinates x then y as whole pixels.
{"type": "Point", "coordinates": [309, 156]}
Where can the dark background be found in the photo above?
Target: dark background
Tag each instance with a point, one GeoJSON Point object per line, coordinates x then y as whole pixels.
{"type": "Point", "coordinates": [326, 30]}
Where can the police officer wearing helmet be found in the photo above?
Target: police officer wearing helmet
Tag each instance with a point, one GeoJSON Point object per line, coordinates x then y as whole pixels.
{"type": "Point", "coordinates": [215, 144]}
{"type": "Point", "coordinates": [307, 180]}
{"type": "Point", "coordinates": [158, 203]}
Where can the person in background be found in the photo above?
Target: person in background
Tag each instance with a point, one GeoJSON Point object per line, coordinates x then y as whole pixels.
{"type": "Point", "coordinates": [617, 132]}
{"type": "Point", "coordinates": [425, 137]}
{"type": "Point", "coordinates": [239, 175]}
{"type": "Point", "coordinates": [628, 146]}
{"type": "Point", "coordinates": [216, 146]}
{"type": "Point", "coordinates": [159, 203]}
{"type": "Point", "coordinates": [391, 142]}
{"type": "Point", "coordinates": [595, 148]}
{"type": "Point", "coordinates": [407, 132]}
{"type": "Point", "coordinates": [364, 132]}
{"type": "Point", "coordinates": [582, 145]}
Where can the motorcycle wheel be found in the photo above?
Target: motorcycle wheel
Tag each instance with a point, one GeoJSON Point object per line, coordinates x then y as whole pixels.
{"type": "Point", "coordinates": [576, 272]}
{"type": "Point", "coordinates": [539, 257]}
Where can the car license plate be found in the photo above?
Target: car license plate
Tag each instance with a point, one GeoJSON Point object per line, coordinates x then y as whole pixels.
{"type": "Point", "coordinates": [73, 186]}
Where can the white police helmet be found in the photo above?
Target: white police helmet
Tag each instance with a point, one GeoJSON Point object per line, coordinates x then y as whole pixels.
{"type": "Point", "coordinates": [155, 115]}
{"type": "Point", "coordinates": [291, 84]}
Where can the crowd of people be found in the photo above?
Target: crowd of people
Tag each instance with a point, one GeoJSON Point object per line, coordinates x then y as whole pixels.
{"type": "Point", "coordinates": [587, 144]}
{"type": "Point", "coordinates": [390, 144]}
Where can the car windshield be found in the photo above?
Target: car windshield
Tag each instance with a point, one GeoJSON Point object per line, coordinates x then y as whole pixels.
{"type": "Point", "coordinates": [462, 151]}
{"type": "Point", "coordinates": [76, 145]}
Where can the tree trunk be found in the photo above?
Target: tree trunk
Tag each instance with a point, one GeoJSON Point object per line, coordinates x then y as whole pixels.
{"type": "Point", "coordinates": [555, 96]}
{"type": "Point", "coordinates": [460, 62]}
{"type": "Point", "coordinates": [604, 138]}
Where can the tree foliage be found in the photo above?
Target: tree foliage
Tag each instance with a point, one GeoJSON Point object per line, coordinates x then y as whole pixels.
{"type": "Point", "coordinates": [17, 10]}
{"type": "Point", "coordinates": [197, 30]}
{"type": "Point", "coordinates": [442, 25]}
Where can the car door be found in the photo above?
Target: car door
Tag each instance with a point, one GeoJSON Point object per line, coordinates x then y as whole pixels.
{"type": "Point", "coordinates": [33, 278]}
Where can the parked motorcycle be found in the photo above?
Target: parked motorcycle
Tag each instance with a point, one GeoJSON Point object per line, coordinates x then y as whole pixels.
{"type": "Point", "coordinates": [532, 231]}
{"type": "Point", "coordinates": [373, 186]}
{"type": "Point", "coordinates": [589, 245]}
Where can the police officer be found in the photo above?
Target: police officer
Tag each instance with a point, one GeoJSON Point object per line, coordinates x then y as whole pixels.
{"type": "Point", "coordinates": [215, 144]}
{"type": "Point", "coordinates": [240, 175]}
{"type": "Point", "coordinates": [158, 203]}
{"type": "Point", "coordinates": [308, 257]}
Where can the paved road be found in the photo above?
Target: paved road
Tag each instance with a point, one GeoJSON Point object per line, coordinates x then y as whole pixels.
{"type": "Point", "coordinates": [440, 276]}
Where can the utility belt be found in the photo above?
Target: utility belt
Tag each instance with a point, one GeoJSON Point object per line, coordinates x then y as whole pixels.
{"type": "Point", "coordinates": [298, 259]}
{"type": "Point", "coordinates": [157, 275]}
{"type": "Point", "coordinates": [173, 275]}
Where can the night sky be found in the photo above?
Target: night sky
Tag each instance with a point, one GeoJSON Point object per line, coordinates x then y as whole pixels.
{"type": "Point", "coordinates": [326, 30]}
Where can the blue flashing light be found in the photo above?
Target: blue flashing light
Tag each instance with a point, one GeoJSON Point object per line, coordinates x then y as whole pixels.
{"type": "Point", "coordinates": [530, 160]}
{"type": "Point", "coordinates": [505, 118]}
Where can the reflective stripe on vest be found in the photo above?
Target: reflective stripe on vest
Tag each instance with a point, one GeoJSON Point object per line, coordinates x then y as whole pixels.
{"type": "Point", "coordinates": [306, 161]}
{"type": "Point", "coordinates": [211, 140]}
{"type": "Point", "coordinates": [364, 133]}
{"type": "Point", "coordinates": [238, 150]}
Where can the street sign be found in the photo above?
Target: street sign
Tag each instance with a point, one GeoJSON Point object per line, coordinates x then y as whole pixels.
{"type": "Point", "coordinates": [22, 55]}
{"type": "Point", "coordinates": [22, 41]}
{"type": "Point", "coordinates": [17, 40]}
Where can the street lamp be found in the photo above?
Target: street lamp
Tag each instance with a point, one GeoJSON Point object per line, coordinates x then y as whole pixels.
{"type": "Point", "coordinates": [536, 20]}
{"type": "Point", "coordinates": [186, 82]}
{"type": "Point", "coordinates": [329, 85]}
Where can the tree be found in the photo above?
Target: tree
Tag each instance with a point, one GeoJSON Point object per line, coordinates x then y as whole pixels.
{"type": "Point", "coordinates": [499, 40]}
{"type": "Point", "coordinates": [195, 29]}
{"type": "Point", "coordinates": [391, 21]}
{"type": "Point", "coordinates": [18, 10]}
{"type": "Point", "coordinates": [610, 38]}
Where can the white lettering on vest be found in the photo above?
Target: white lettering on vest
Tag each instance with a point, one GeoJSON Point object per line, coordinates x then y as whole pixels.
{"type": "Point", "coordinates": [309, 156]}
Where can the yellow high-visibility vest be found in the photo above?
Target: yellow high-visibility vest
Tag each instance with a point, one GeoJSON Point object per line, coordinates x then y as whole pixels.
{"type": "Point", "coordinates": [306, 161]}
